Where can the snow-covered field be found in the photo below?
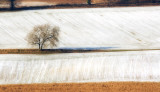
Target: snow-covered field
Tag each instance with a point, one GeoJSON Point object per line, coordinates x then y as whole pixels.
{"type": "Point", "coordinates": [87, 67]}
{"type": "Point", "coordinates": [131, 27]}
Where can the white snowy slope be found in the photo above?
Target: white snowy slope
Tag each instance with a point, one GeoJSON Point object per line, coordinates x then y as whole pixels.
{"type": "Point", "coordinates": [127, 27]}
{"type": "Point", "coordinates": [87, 67]}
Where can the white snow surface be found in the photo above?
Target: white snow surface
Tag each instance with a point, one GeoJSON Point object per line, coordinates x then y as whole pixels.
{"type": "Point", "coordinates": [80, 67]}
{"type": "Point", "coordinates": [131, 27]}
{"type": "Point", "coordinates": [122, 27]}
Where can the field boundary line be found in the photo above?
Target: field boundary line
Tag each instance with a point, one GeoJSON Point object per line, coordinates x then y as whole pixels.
{"type": "Point", "coordinates": [52, 51]}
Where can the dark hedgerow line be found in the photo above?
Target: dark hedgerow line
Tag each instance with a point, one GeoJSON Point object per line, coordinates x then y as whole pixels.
{"type": "Point", "coordinates": [62, 6]}
{"type": "Point", "coordinates": [52, 51]}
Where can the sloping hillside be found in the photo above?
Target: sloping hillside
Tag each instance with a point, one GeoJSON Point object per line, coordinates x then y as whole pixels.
{"type": "Point", "coordinates": [132, 27]}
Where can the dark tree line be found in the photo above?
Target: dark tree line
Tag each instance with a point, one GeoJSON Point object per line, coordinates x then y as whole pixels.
{"type": "Point", "coordinates": [89, 2]}
{"type": "Point", "coordinates": [155, 1]}
{"type": "Point", "coordinates": [138, 1]}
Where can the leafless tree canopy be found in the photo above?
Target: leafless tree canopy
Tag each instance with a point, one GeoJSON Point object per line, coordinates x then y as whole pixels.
{"type": "Point", "coordinates": [44, 36]}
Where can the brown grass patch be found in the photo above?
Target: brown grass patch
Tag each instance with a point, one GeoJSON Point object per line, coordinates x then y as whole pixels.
{"type": "Point", "coordinates": [84, 87]}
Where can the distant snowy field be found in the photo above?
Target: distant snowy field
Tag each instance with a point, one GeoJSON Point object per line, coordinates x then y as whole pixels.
{"type": "Point", "coordinates": [131, 27]}
{"type": "Point", "coordinates": [78, 67]}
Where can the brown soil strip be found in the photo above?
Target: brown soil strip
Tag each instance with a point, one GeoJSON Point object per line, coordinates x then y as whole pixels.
{"type": "Point", "coordinates": [84, 87]}
{"type": "Point", "coordinates": [52, 51]}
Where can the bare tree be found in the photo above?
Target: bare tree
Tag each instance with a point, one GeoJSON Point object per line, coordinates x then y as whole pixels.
{"type": "Point", "coordinates": [44, 36]}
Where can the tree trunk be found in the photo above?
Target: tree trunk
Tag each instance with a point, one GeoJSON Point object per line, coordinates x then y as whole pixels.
{"type": "Point", "coordinates": [89, 2]}
{"type": "Point", "coordinates": [39, 46]}
{"type": "Point", "coordinates": [12, 4]}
